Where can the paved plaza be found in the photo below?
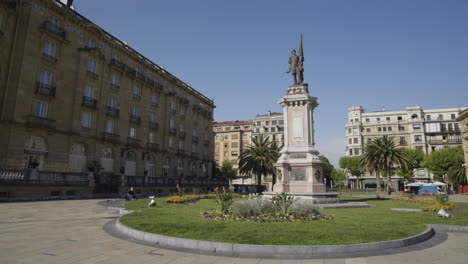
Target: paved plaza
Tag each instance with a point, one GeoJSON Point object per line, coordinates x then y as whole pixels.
{"type": "Point", "coordinates": [72, 232]}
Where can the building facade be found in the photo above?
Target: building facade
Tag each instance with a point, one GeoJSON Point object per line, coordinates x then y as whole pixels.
{"type": "Point", "coordinates": [463, 119]}
{"type": "Point", "coordinates": [270, 125]}
{"type": "Point", "coordinates": [74, 99]}
{"type": "Point", "coordinates": [413, 127]}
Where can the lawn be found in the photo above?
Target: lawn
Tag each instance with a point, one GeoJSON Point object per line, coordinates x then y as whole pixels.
{"type": "Point", "coordinates": [349, 226]}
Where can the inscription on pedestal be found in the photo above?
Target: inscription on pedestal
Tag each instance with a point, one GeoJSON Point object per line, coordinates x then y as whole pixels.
{"type": "Point", "coordinates": [298, 174]}
{"type": "Point", "coordinates": [298, 156]}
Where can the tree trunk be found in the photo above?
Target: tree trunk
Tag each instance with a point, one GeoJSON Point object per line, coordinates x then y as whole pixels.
{"type": "Point", "coordinates": [377, 179]}
{"type": "Point", "coordinates": [389, 177]}
{"type": "Point", "coordinates": [259, 183]}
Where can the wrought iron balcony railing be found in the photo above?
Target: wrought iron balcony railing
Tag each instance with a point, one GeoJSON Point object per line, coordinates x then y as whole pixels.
{"type": "Point", "coordinates": [135, 119]}
{"type": "Point", "coordinates": [113, 111]}
{"type": "Point", "coordinates": [45, 89]}
{"type": "Point", "coordinates": [54, 29]}
{"type": "Point", "coordinates": [89, 102]}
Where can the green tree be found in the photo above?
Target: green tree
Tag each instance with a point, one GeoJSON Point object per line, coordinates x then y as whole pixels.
{"type": "Point", "coordinates": [352, 165]}
{"type": "Point", "coordinates": [259, 159]}
{"type": "Point", "coordinates": [327, 168]}
{"type": "Point", "coordinates": [227, 171]}
{"type": "Point", "coordinates": [440, 161]}
{"type": "Point", "coordinates": [456, 175]}
{"type": "Point", "coordinates": [383, 155]}
{"type": "Point", "coordinates": [415, 158]}
{"type": "Point", "coordinates": [338, 176]}
{"type": "Point", "coordinates": [216, 170]}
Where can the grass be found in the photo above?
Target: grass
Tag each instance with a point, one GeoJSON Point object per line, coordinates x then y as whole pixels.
{"type": "Point", "coordinates": [357, 225]}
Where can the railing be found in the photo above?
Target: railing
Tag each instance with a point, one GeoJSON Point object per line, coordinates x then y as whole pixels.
{"type": "Point", "coordinates": [403, 143]}
{"type": "Point", "coordinates": [152, 146]}
{"type": "Point", "coordinates": [181, 152]}
{"type": "Point", "coordinates": [153, 125]}
{"type": "Point", "coordinates": [195, 155]}
{"type": "Point", "coordinates": [49, 57]}
{"type": "Point", "coordinates": [172, 130]}
{"type": "Point", "coordinates": [206, 142]}
{"type": "Point", "coordinates": [43, 178]}
{"type": "Point", "coordinates": [37, 121]}
{"type": "Point", "coordinates": [140, 76]}
{"type": "Point", "coordinates": [111, 137]}
{"type": "Point", "coordinates": [45, 89]}
{"type": "Point", "coordinates": [119, 65]}
{"type": "Point", "coordinates": [112, 111]}
{"type": "Point", "coordinates": [445, 141]}
{"type": "Point", "coordinates": [135, 119]}
{"type": "Point", "coordinates": [89, 102]}
{"type": "Point", "coordinates": [133, 142]}
{"type": "Point", "coordinates": [195, 139]}
{"type": "Point", "coordinates": [182, 134]}
{"type": "Point", "coordinates": [142, 181]}
{"type": "Point", "coordinates": [115, 86]}
{"type": "Point", "coordinates": [92, 74]}
{"type": "Point", "coordinates": [55, 29]}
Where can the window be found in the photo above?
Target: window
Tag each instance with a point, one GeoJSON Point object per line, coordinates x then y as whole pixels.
{"type": "Point", "coordinates": [402, 141]}
{"type": "Point", "coordinates": [41, 109]}
{"type": "Point", "coordinates": [443, 127]}
{"type": "Point", "coordinates": [90, 43]}
{"type": "Point", "coordinates": [112, 102]}
{"type": "Point", "coordinates": [171, 142]}
{"type": "Point", "coordinates": [356, 120]}
{"type": "Point", "coordinates": [153, 119]}
{"type": "Point", "coordinates": [378, 119]}
{"type": "Point", "coordinates": [266, 129]}
{"type": "Point", "coordinates": [54, 23]}
{"type": "Point", "coordinates": [46, 78]}
{"type": "Point", "coordinates": [417, 138]}
{"type": "Point", "coordinates": [384, 128]}
{"type": "Point", "coordinates": [452, 116]}
{"type": "Point", "coordinates": [182, 111]}
{"type": "Point", "coordinates": [234, 145]}
{"type": "Point", "coordinates": [115, 81]}
{"type": "Point", "coordinates": [350, 141]}
{"type": "Point", "coordinates": [257, 130]}
{"type": "Point", "coordinates": [367, 120]}
{"type": "Point", "coordinates": [428, 117]}
{"type": "Point", "coordinates": [173, 106]}
{"type": "Point", "coordinates": [368, 130]}
{"type": "Point", "coordinates": [89, 91]}
{"type": "Point", "coordinates": [281, 122]}
{"type": "Point", "coordinates": [154, 99]}
{"type": "Point", "coordinates": [109, 126]}
{"type": "Point", "coordinates": [132, 132]}
{"type": "Point", "coordinates": [267, 123]}
{"type": "Point", "coordinates": [389, 128]}
{"type": "Point", "coordinates": [49, 50]}
{"type": "Point", "coordinates": [449, 126]}
{"type": "Point", "coordinates": [274, 122]}
{"type": "Point", "coordinates": [400, 118]}
{"type": "Point", "coordinates": [355, 130]}
{"type": "Point", "coordinates": [226, 137]}
{"type": "Point", "coordinates": [226, 153]}
{"type": "Point", "coordinates": [387, 118]}
{"type": "Point", "coordinates": [355, 140]}
{"type": "Point", "coordinates": [349, 130]}
{"type": "Point", "coordinates": [413, 116]}
{"type": "Point", "coordinates": [273, 129]}
{"type": "Point", "coordinates": [134, 111]}
{"type": "Point", "coordinates": [369, 140]}
{"type": "Point", "coordinates": [441, 117]}
{"type": "Point", "coordinates": [235, 136]}
{"type": "Point", "coordinates": [181, 144]}
{"type": "Point", "coordinates": [416, 126]}
{"type": "Point", "coordinates": [457, 127]}
{"type": "Point", "coordinates": [92, 66]}
{"type": "Point", "coordinates": [136, 91]}
{"type": "Point", "coordinates": [379, 129]}
{"type": "Point", "coordinates": [116, 57]}
{"type": "Point", "coordinates": [234, 153]}
{"type": "Point", "coordinates": [401, 128]}
{"type": "Point", "coordinates": [350, 152]}
{"type": "Point", "coordinates": [280, 129]}
{"type": "Point", "coordinates": [86, 119]}
{"type": "Point", "coordinates": [356, 151]}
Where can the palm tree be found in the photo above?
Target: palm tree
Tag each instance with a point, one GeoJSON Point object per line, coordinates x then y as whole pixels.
{"type": "Point", "coordinates": [382, 153]}
{"type": "Point", "coordinates": [456, 175]}
{"type": "Point", "coordinates": [259, 159]}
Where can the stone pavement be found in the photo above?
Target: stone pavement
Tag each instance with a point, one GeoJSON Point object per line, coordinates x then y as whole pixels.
{"type": "Point", "coordinates": [72, 232]}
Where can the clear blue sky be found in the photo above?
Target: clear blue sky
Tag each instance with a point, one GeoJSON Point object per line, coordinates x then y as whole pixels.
{"type": "Point", "coordinates": [374, 53]}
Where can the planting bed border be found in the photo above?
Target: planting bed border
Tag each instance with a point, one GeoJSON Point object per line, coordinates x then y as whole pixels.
{"type": "Point", "coordinates": [269, 251]}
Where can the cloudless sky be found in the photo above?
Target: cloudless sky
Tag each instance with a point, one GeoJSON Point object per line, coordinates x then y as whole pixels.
{"type": "Point", "coordinates": [374, 53]}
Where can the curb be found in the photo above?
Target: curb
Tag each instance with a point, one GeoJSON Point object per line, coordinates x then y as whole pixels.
{"type": "Point", "coordinates": [268, 251]}
{"type": "Point", "coordinates": [449, 228]}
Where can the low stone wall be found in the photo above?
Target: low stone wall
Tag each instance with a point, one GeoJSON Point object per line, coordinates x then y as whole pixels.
{"type": "Point", "coordinates": [268, 251]}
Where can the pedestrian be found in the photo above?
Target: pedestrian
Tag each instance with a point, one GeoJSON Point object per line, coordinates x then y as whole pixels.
{"type": "Point", "coordinates": [389, 190]}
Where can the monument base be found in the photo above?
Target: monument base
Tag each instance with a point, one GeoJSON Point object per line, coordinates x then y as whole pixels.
{"type": "Point", "coordinates": [315, 198]}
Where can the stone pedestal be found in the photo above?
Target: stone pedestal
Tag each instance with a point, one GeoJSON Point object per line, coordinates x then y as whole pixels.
{"type": "Point", "coordinates": [300, 170]}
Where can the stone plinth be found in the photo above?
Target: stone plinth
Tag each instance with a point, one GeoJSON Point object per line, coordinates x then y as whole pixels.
{"type": "Point", "coordinates": [314, 197]}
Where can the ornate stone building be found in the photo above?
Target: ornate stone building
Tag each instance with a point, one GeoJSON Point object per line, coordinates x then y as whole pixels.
{"type": "Point", "coordinates": [75, 98]}
{"type": "Point", "coordinates": [463, 119]}
{"type": "Point", "coordinates": [413, 127]}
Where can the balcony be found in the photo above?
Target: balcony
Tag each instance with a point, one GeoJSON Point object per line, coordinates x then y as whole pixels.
{"type": "Point", "coordinates": [41, 122]}
{"type": "Point", "coordinates": [195, 139]}
{"type": "Point", "coordinates": [153, 125]}
{"type": "Point", "coordinates": [445, 141]}
{"type": "Point", "coordinates": [206, 142]}
{"type": "Point", "coordinates": [206, 158]}
{"type": "Point", "coordinates": [49, 57]}
{"type": "Point", "coordinates": [92, 74]}
{"type": "Point", "coordinates": [89, 102]}
{"type": "Point", "coordinates": [403, 143]}
{"type": "Point", "coordinates": [195, 155]}
{"type": "Point", "coordinates": [135, 119]}
{"type": "Point", "coordinates": [196, 123]}
{"type": "Point", "coordinates": [45, 89]}
{"type": "Point", "coordinates": [154, 104]}
{"type": "Point", "coordinates": [54, 29]}
{"type": "Point", "coordinates": [152, 146]}
{"type": "Point", "coordinates": [136, 96]}
{"type": "Point", "coordinates": [181, 152]}
{"type": "Point", "coordinates": [112, 111]}
{"type": "Point", "coordinates": [117, 64]}
{"type": "Point", "coordinates": [182, 134]}
{"type": "Point", "coordinates": [111, 137]}
{"type": "Point", "coordinates": [131, 141]}
{"type": "Point", "coordinates": [115, 86]}
{"type": "Point", "coordinates": [140, 76]}
{"type": "Point", "coordinates": [173, 130]}
{"type": "Point", "coordinates": [130, 71]}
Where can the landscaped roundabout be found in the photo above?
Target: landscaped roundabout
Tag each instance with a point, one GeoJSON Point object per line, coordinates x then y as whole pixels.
{"type": "Point", "coordinates": [203, 220]}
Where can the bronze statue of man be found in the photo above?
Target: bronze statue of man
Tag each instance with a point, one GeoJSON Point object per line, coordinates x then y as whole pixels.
{"type": "Point", "coordinates": [296, 67]}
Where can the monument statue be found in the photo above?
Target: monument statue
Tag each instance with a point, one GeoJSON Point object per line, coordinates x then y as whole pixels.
{"type": "Point", "coordinates": [296, 67]}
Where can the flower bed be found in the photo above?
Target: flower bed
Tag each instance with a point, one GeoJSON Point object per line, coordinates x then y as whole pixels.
{"type": "Point", "coordinates": [193, 197]}
{"type": "Point", "coordinates": [434, 205]}
{"type": "Point", "coordinates": [305, 216]}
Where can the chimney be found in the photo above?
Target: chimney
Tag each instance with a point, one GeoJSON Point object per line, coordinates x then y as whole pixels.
{"type": "Point", "coordinates": [69, 3]}
{"type": "Point", "coordinates": [269, 112]}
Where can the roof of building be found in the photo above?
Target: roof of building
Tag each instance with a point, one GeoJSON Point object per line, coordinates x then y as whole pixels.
{"type": "Point", "coordinates": [236, 122]}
